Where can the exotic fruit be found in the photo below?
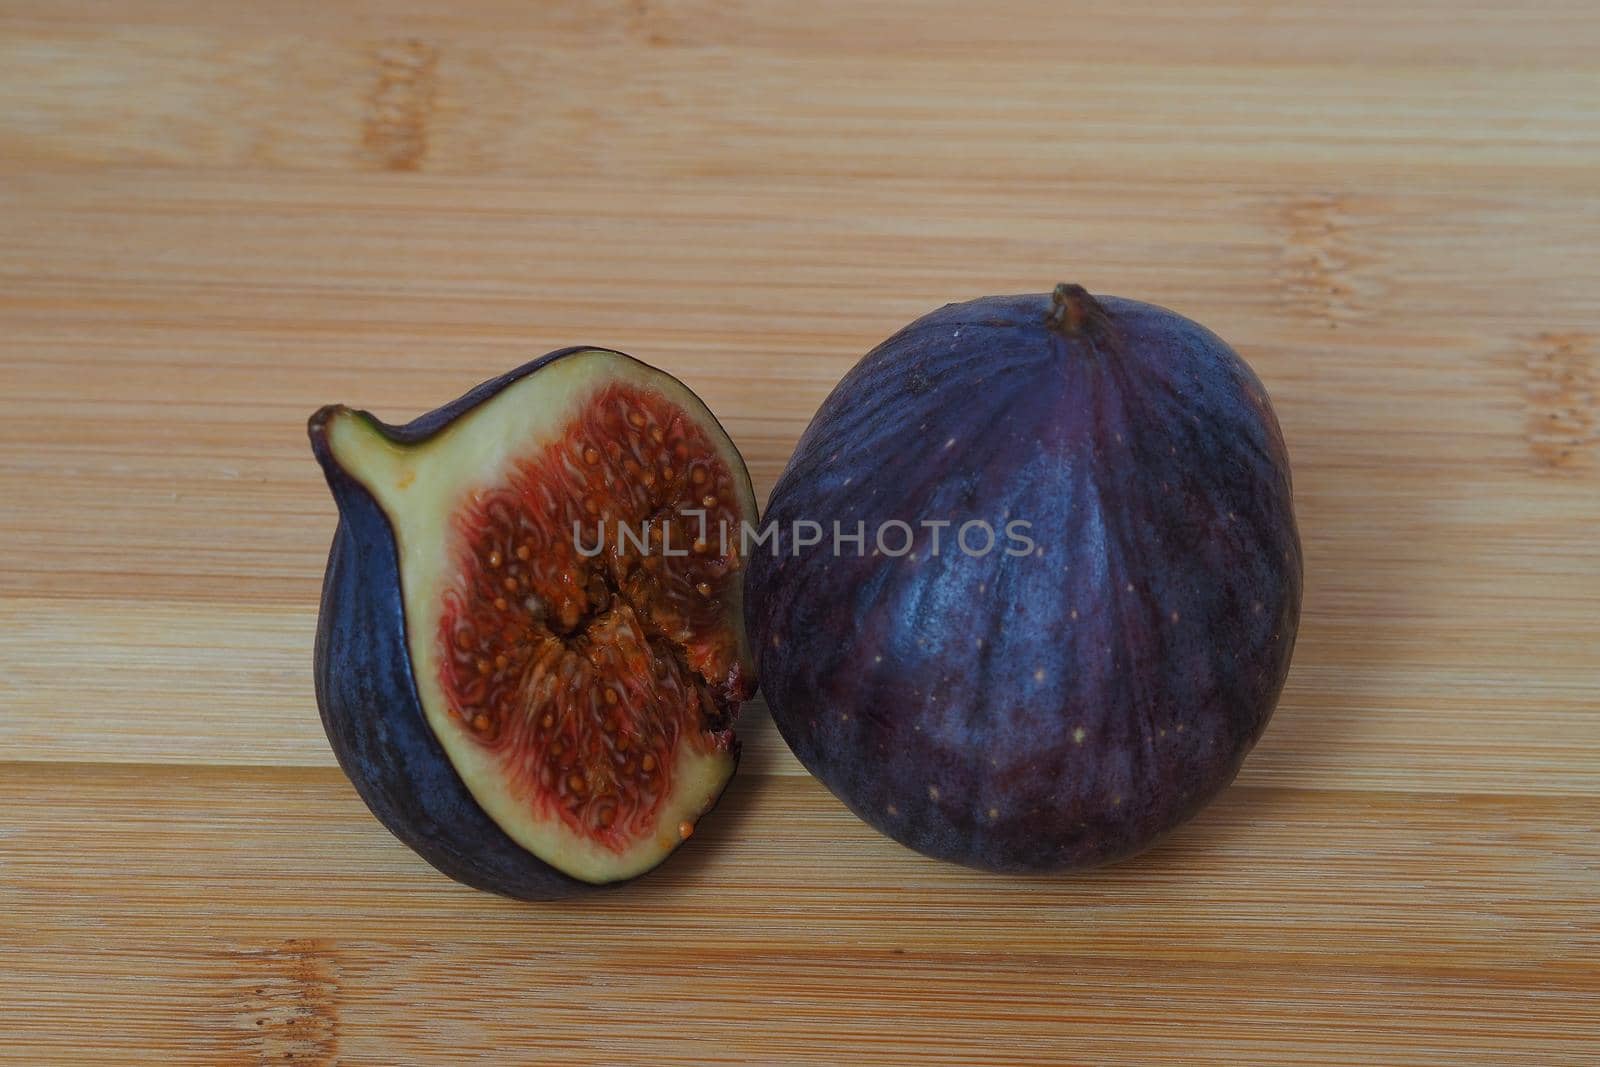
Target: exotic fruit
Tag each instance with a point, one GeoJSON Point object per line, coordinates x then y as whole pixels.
{"type": "Point", "coordinates": [1033, 580]}
{"type": "Point", "coordinates": [531, 647]}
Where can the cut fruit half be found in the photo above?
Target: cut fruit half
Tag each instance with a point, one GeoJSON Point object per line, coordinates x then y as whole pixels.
{"type": "Point", "coordinates": [539, 588]}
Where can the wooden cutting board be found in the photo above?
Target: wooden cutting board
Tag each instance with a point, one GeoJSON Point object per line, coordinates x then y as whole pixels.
{"type": "Point", "coordinates": [216, 217]}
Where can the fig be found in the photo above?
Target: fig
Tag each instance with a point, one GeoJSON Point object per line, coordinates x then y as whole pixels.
{"type": "Point", "coordinates": [529, 657]}
{"type": "Point", "coordinates": [1032, 580]}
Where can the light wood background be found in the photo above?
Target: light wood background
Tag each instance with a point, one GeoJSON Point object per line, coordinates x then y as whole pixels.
{"type": "Point", "coordinates": [216, 216]}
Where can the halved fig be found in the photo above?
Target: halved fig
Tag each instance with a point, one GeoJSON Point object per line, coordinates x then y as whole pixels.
{"type": "Point", "coordinates": [531, 649]}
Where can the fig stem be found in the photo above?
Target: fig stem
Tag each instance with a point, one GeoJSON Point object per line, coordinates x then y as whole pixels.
{"type": "Point", "coordinates": [1073, 312]}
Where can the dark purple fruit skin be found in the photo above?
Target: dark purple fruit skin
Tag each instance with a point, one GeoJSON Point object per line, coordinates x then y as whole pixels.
{"type": "Point", "coordinates": [941, 699]}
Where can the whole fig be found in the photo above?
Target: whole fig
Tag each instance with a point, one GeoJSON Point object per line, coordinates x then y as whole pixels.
{"type": "Point", "coordinates": [1034, 580]}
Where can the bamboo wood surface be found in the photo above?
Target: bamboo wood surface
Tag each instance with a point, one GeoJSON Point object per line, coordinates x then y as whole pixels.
{"type": "Point", "coordinates": [216, 217]}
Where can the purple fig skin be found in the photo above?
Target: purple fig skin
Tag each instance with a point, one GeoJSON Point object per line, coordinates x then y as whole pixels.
{"type": "Point", "coordinates": [1060, 709]}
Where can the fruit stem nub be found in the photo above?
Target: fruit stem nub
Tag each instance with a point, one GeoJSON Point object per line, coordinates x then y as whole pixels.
{"type": "Point", "coordinates": [1073, 312]}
